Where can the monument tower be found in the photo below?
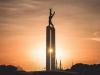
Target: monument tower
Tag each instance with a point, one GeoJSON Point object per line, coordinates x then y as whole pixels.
{"type": "Point", "coordinates": [50, 44]}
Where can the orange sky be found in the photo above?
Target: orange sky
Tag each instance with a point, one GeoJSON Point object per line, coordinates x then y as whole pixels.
{"type": "Point", "coordinates": [23, 32]}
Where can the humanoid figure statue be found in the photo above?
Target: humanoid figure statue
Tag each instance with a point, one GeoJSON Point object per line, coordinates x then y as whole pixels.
{"type": "Point", "coordinates": [50, 17]}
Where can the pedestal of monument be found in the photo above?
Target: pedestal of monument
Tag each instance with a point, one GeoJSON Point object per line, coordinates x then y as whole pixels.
{"type": "Point", "coordinates": [50, 44]}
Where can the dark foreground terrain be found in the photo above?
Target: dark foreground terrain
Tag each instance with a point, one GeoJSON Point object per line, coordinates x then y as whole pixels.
{"type": "Point", "coordinates": [12, 70]}
{"type": "Point", "coordinates": [41, 73]}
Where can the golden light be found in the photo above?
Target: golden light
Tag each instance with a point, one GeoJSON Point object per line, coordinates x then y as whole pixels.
{"type": "Point", "coordinates": [50, 50]}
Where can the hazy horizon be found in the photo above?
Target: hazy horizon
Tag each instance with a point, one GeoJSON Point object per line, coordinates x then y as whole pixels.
{"type": "Point", "coordinates": [23, 32]}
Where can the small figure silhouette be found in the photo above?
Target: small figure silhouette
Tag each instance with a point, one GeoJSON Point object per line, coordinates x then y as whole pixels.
{"type": "Point", "coordinates": [50, 17]}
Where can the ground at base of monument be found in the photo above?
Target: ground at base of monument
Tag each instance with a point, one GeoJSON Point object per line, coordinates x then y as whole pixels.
{"type": "Point", "coordinates": [49, 73]}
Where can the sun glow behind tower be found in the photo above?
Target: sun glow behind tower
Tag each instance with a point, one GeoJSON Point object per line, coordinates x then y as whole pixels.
{"type": "Point", "coordinates": [50, 50]}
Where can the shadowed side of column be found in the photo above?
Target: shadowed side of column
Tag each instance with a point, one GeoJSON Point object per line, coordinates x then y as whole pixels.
{"type": "Point", "coordinates": [47, 48]}
{"type": "Point", "coordinates": [53, 48]}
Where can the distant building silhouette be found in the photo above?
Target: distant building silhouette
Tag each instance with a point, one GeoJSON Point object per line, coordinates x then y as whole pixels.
{"type": "Point", "coordinates": [19, 68]}
{"type": "Point", "coordinates": [56, 64]}
{"type": "Point", "coordinates": [60, 64]}
{"type": "Point", "coordinates": [72, 62]}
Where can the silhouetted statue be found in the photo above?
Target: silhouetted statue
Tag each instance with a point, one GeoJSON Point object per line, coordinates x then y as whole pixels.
{"type": "Point", "coordinates": [50, 17]}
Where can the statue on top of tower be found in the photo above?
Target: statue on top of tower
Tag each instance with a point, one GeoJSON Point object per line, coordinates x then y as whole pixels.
{"type": "Point", "coordinates": [50, 17]}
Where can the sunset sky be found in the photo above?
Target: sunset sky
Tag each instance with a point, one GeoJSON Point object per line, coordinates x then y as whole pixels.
{"type": "Point", "coordinates": [23, 32]}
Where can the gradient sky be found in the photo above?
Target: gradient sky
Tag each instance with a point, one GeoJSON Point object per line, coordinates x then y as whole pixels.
{"type": "Point", "coordinates": [23, 32]}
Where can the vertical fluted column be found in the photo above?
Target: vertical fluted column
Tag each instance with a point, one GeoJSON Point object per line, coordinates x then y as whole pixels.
{"type": "Point", "coordinates": [47, 48]}
{"type": "Point", "coordinates": [53, 48]}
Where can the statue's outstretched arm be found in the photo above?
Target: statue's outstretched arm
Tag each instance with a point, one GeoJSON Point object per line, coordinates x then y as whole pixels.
{"type": "Point", "coordinates": [53, 14]}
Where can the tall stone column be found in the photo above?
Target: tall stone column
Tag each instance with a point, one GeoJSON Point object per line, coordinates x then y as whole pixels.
{"type": "Point", "coordinates": [53, 48]}
{"type": "Point", "coordinates": [47, 48]}
{"type": "Point", "coordinates": [50, 40]}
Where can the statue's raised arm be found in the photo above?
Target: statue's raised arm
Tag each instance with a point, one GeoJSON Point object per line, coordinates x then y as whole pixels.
{"type": "Point", "coordinates": [53, 14]}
